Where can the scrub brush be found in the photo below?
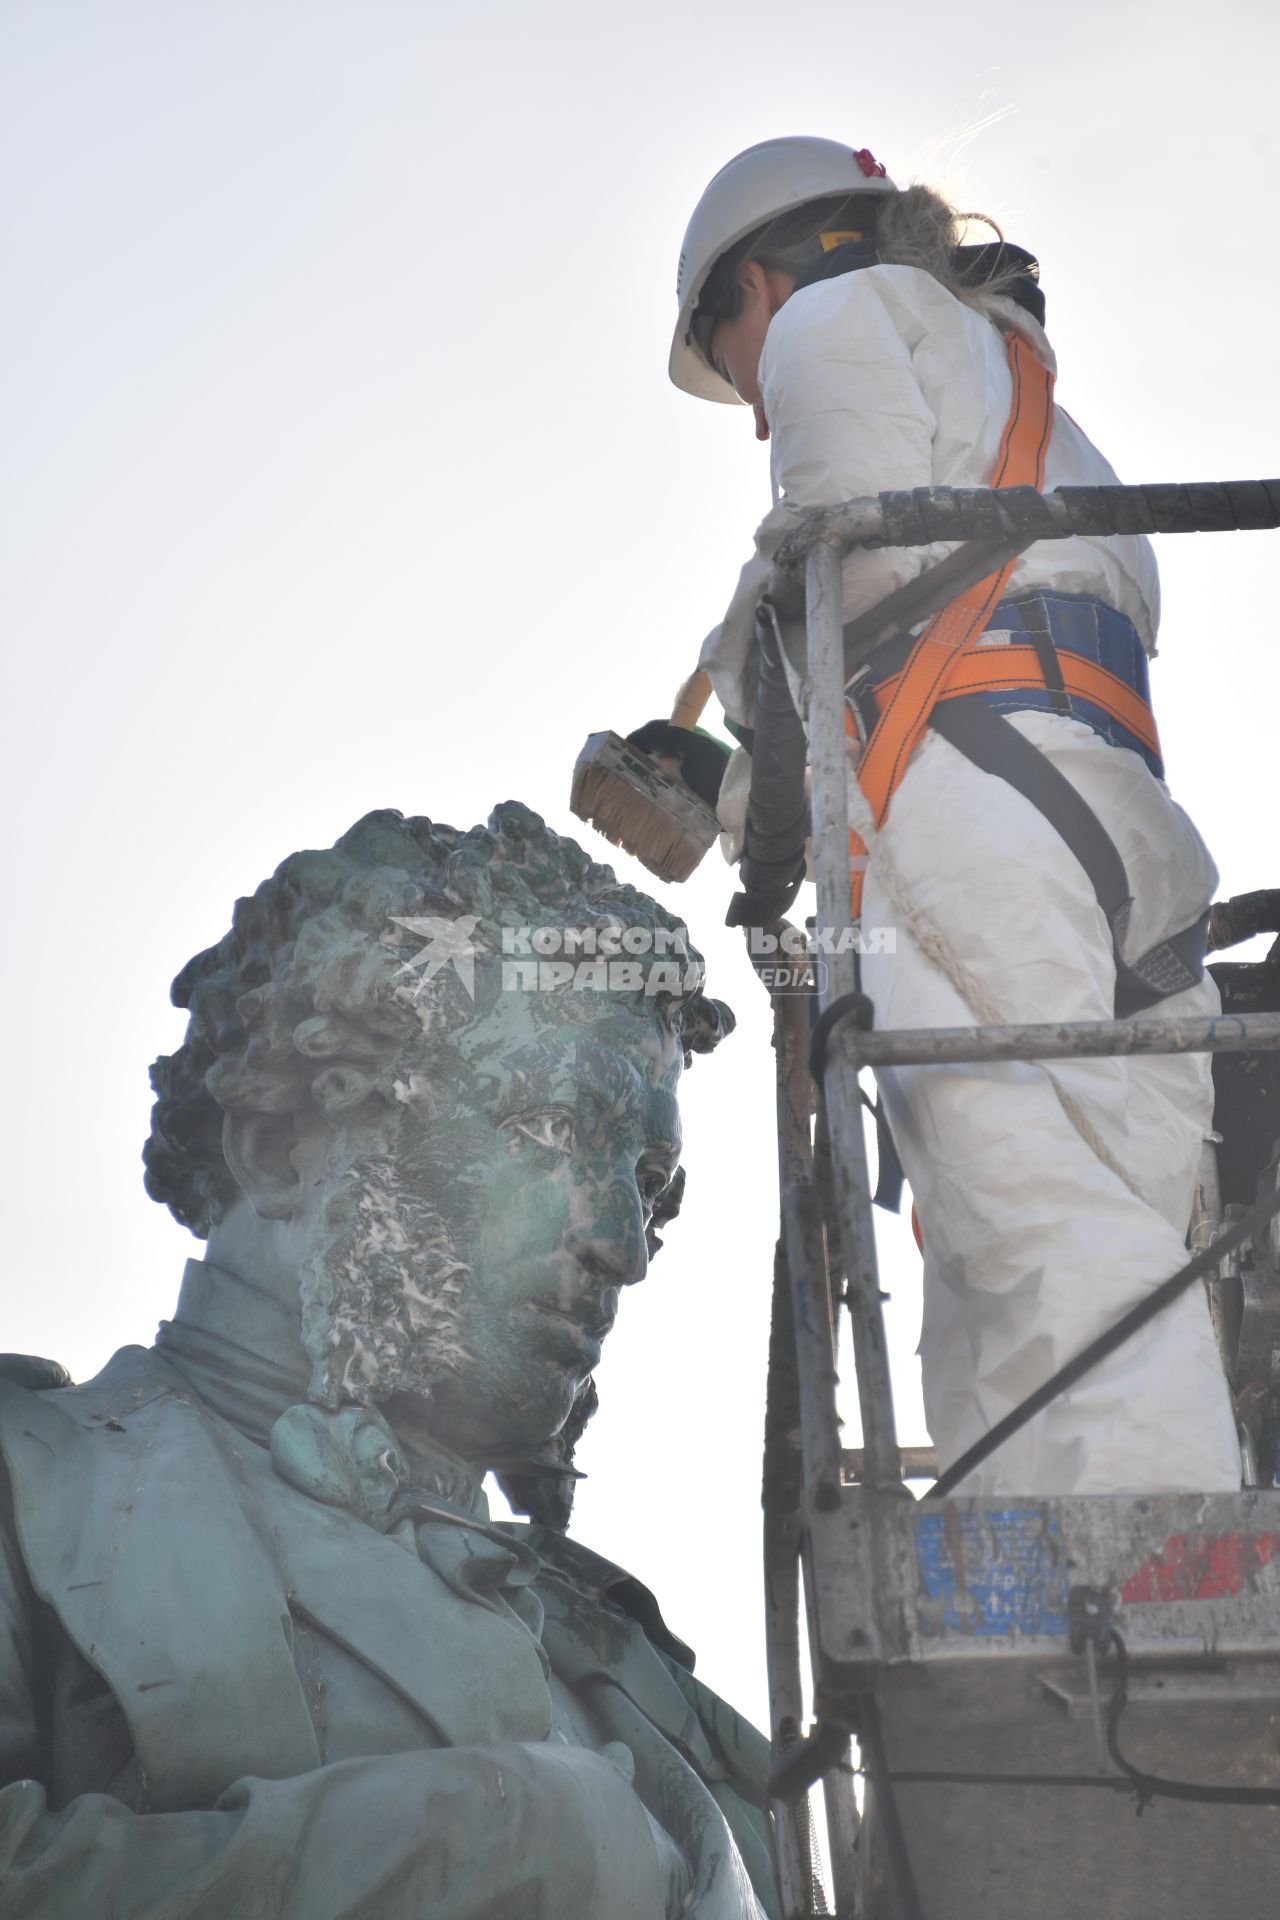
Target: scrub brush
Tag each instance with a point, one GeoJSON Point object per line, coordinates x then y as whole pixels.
{"type": "Point", "coordinates": [654, 794]}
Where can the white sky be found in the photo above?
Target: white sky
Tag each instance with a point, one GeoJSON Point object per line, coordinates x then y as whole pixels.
{"type": "Point", "coordinates": [339, 469]}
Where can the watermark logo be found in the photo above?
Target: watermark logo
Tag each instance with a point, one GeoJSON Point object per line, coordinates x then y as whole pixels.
{"type": "Point", "coordinates": [599, 959]}
{"type": "Point", "coordinates": [652, 960]}
{"type": "Point", "coordinates": [795, 943]}
{"type": "Point", "coordinates": [795, 959]}
{"type": "Point", "coordinates": [793, 976]}
{"type": "Point", "coordinates": [631, 960]}
{"type": "Point", "coordinates": [448, 944]}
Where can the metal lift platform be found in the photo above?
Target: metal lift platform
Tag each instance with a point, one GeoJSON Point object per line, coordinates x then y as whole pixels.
{"type": "Point", "coordinates": [1063, 1707]}
{"type": "Point", "coordinates": [993, 1719]}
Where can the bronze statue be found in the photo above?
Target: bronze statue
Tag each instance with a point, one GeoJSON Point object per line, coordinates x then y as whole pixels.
{"type": "Point", "coordinates": [262, 1651]}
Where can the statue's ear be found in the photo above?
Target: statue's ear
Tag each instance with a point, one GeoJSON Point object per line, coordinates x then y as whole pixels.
{"type": "Point", "coordinates": [266, 1155]}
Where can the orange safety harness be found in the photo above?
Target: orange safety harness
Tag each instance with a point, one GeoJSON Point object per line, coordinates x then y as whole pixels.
{"type": "Point", "coordinates": [947, 666]}
{"type": "Point", "coordinates": [948, 662]}
{"type": "Point", "coordinates": [989, 671]}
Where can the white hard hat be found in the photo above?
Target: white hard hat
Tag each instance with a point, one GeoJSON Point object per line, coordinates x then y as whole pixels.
{"type": "Point", "coordinates": [754, 188]}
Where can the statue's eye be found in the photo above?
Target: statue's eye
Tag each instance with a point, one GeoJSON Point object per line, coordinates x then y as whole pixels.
{"type": "Point", "coordinates": [551, 1128]}
{"type": "Point", "coordinates": [652, 1182]}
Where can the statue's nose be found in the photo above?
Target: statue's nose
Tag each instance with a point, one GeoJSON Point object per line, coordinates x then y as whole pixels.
{"type": "Point", "coordinates": [612, 1243]}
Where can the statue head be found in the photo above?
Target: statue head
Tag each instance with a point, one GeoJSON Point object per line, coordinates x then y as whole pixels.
{"type": "Point", "coordinates": [441, 1068]}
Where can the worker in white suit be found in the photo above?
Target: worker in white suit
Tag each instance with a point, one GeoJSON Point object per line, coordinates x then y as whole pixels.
{"type": "Point", "coordinates": [878, 354]}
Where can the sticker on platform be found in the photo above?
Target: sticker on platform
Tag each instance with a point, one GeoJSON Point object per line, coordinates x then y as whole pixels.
{"type": "Point", "coordinates": [993, 1574]}
{"type": "Point", "coordinates": [1189, 1567]}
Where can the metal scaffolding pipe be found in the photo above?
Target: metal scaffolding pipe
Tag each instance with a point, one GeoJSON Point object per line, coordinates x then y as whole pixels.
{"type": "Point", "coordinates": [815, 1344]}
{"type": "Point", "coordinates": [924, 514]}
{"type": "Point", "coordinates": [1066, 1040]}
{"type": "Point", "coordinates": [828, 755]}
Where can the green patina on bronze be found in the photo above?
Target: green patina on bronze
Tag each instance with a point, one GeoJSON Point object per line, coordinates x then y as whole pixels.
{"type": "Point", "coordinates": [273, 1608]}
{"type": "Point", "coordinates": [494, 1146]}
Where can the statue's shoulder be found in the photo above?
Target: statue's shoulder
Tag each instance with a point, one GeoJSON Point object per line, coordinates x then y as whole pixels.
{"type": "Point", "coordinates": [52, 1435]}
{"type": "Point", "coordinates": [33, 1372]}
{"type": "Point", "coordinates": [743, 1750]}
{"type": "Point", "coordinates": [135, 1371]}
{"type": "Point", "coordinates": [43, 1411]}
{"type": "Point", "coordinates": [31, 1388]}
{"type": "Point", "coordinates": [608, 1584]}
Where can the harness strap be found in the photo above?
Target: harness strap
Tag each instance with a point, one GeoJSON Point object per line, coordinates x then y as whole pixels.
{"type": "Point", "coordinates": [944, 669]}
{"type": "Point", "coordinates": [1046, 652]}
{"type": "Point", "coordinates": [952, 633]}
{"type": "Point", "coordinates": [1006, 669]}
{"type": "Point", "coordinates": [987, 739]}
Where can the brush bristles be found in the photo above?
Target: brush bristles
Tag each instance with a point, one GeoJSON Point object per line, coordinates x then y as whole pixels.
{"type": "Point", "coordinates": [629, 820]}
{"type": "Point", "coordinates": [636, 806]}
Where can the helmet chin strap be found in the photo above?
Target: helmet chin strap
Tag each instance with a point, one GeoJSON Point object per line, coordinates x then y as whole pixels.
{"type": "Point", "coordinates": [845, 256]}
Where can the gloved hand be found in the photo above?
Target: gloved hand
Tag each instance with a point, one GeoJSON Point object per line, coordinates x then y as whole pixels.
{"type": "Point", "coordinates": [690, 755]}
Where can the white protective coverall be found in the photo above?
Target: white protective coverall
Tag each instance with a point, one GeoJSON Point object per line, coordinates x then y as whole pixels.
{"type": "Point", "coordinates": [1051, 1197]}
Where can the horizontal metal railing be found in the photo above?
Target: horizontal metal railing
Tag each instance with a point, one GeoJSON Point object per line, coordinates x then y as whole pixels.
{"type": "Point", "coordinates": [921, 515]}
{"type": "Point", "coordinates": [1067, 1040]}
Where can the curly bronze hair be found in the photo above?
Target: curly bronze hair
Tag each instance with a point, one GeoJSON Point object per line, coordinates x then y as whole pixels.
{"type": "Point", "coordinates": [302, 1005]}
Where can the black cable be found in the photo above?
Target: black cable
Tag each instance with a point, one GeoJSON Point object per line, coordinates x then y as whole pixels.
{"type": "Point", "coordinates": [1106, 1343]}
{"type": "Point", "coordinates": [772, 863]}
{"type": "Point", "coordinates": [857, 1007]}
{"type": "Point", "coordinates": [1152, 1786]}
{"type": "Point", "coordinates": [1129, 1778]}
{"type": "Point", "coordinates": [933, 1778]}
